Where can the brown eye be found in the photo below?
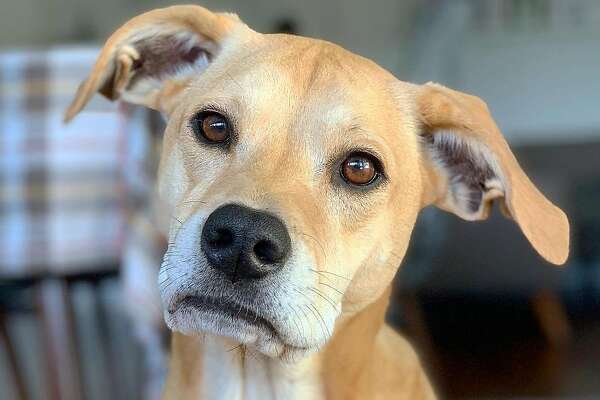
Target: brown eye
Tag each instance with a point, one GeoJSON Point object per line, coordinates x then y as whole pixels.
{"type": "Point", "coordinates": [212, 127]}
{"type": "Point", "coordinates": [360, 169]}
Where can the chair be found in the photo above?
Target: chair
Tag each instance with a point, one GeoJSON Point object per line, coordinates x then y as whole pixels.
{"type": "Point", "coordinates": [65, 197]}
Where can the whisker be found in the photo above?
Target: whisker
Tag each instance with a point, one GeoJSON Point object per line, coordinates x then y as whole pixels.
{"type": "Point", "coordinates": [331, 287]}
{"type": "Point", "coordinates": [317, 242]}
{"type": "Point", "coordinates": [329, 333]}
{"type": "Point", "coordinates": [319, 318]}
{"type": "Point", "coordinates": [295, 319]}
{"type": "Point", "coordinates": [324, 297]}
{"type": "Point", "coordinates": [306, 319]}
{"type": "Point", "coordinates": [330, 273]}
{"type": "Point", "coordinates": [194, 201]}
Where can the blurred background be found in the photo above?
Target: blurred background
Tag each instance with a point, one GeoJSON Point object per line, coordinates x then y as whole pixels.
{"type": "Point", "coordinates": [79, 255]}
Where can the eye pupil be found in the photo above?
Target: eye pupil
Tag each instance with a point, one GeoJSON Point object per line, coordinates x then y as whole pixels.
{"type": "Point", "coordinates": [359, 169]}
{"type": "Point", "coordinates": [211, 126]}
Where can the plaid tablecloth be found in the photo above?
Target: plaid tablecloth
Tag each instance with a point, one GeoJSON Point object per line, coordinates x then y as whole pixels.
{"type": "Point", "coordinates": [63, 188]}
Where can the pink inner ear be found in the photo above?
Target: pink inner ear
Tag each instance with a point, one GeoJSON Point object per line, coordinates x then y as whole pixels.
{"type": "Point", "coordinates": [168, 54]}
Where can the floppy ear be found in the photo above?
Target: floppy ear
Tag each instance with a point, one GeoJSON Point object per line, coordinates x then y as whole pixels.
{"type": "Point", "coordinates": [153, 56]}
{"type": "Point", "coordinates": [469, 165]}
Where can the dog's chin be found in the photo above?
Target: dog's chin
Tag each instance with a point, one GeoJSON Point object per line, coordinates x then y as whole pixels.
{"type": "Point", "coordinates": [192, 316]}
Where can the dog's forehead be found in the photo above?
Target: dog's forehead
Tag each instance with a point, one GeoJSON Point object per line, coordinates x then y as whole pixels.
{"type": "Point", "coordinates": [303, 86]}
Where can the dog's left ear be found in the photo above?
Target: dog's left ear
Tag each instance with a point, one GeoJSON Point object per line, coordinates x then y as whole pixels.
{"type": "Point", "coordinates": [469, 164]}
{"type": "Point", "coordinates": [152, 56]}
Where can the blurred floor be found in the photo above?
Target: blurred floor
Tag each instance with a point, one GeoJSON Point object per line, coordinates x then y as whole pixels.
{"type": "Point", "coordinates": [493, 348]}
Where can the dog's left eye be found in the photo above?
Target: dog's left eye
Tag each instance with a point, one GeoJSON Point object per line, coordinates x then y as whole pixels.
{"type": "Point", "coordinates": [211, 127]}
{"type": "Point", "coordinates": [360, 169]}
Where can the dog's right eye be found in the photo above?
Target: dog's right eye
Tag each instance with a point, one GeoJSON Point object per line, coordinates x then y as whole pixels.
{"type": "Point", "coordinates": [211, 127]}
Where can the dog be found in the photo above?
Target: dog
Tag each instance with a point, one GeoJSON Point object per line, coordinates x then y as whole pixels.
{"type": "Point", "coordinates": [294, 171]}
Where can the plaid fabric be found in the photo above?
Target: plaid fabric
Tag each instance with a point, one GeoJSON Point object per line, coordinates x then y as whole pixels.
{"type": "Point", "coordinates": [77, 198]}
{"type": "Point", "coordinates": [63, 188]}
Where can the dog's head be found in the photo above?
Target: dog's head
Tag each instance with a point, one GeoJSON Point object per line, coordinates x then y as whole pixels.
{"type": "Point", "coordinates": [294, 171]}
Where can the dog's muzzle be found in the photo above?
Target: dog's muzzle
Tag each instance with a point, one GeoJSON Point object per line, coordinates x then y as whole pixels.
{"type": "Point", "coordinates": [238, 272]}
{"type": "Point", "coordinates": [243, 243]}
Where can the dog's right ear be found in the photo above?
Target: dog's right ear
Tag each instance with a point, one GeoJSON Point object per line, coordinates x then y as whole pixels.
{"type": "Point", "coordinates": [153, 56]}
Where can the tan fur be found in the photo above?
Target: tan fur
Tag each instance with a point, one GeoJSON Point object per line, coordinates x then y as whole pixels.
{"type": "Point", "coordinates": [468, 115]}
{"type": "Point", "coordinates": [297, 103]}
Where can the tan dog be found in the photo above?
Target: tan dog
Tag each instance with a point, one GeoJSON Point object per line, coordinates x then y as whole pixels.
{"type": "Point", "coordinates": [294, 171]}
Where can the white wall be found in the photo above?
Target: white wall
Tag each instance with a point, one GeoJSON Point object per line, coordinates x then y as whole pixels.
{"type": "Point", "coordinates": [541, 81]}
{"type": "Point", "coordinates": [372, 28]}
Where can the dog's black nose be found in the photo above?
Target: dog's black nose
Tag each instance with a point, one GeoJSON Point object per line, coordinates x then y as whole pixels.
{"type": "Point", "coordinates": [244, 243]}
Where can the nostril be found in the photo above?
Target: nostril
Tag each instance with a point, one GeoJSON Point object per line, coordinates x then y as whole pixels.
{"type": "Point", "coordinates": [244, 243]}
{"type": "Point", "coordinates": [220, 238]}
{"type": "Point", "coordinates": [267, 252]}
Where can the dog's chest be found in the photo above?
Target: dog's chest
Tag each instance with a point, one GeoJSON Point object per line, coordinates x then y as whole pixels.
{"type": "Point", "coordinates": [229, 376]}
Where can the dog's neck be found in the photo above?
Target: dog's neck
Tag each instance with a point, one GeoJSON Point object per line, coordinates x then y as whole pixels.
{"type": "Point", "coordinates": [212, 367]}
{"type": "Point", "coordinates": [216, 368]}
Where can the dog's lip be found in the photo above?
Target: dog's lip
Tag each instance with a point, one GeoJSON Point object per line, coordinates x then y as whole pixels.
{"type": "Point", "coordinates": [225, 307]}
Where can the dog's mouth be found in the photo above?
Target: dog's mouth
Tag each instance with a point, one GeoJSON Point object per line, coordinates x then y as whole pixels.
{"type": "Point", "coordinates": [235, 312]}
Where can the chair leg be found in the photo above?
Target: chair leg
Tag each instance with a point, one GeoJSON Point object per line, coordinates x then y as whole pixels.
{"type": "Point", "coordinates": [59, 340]}
{"type": "Point", "coordinates": [15, 370]}
{"type": "Point", "coordinates": [552, 317]}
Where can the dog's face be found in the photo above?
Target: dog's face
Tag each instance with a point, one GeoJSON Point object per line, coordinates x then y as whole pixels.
{"type": "Point", "coordinates": [287, 178]}
{"type": "Point", "coordinates": [294, 171]}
